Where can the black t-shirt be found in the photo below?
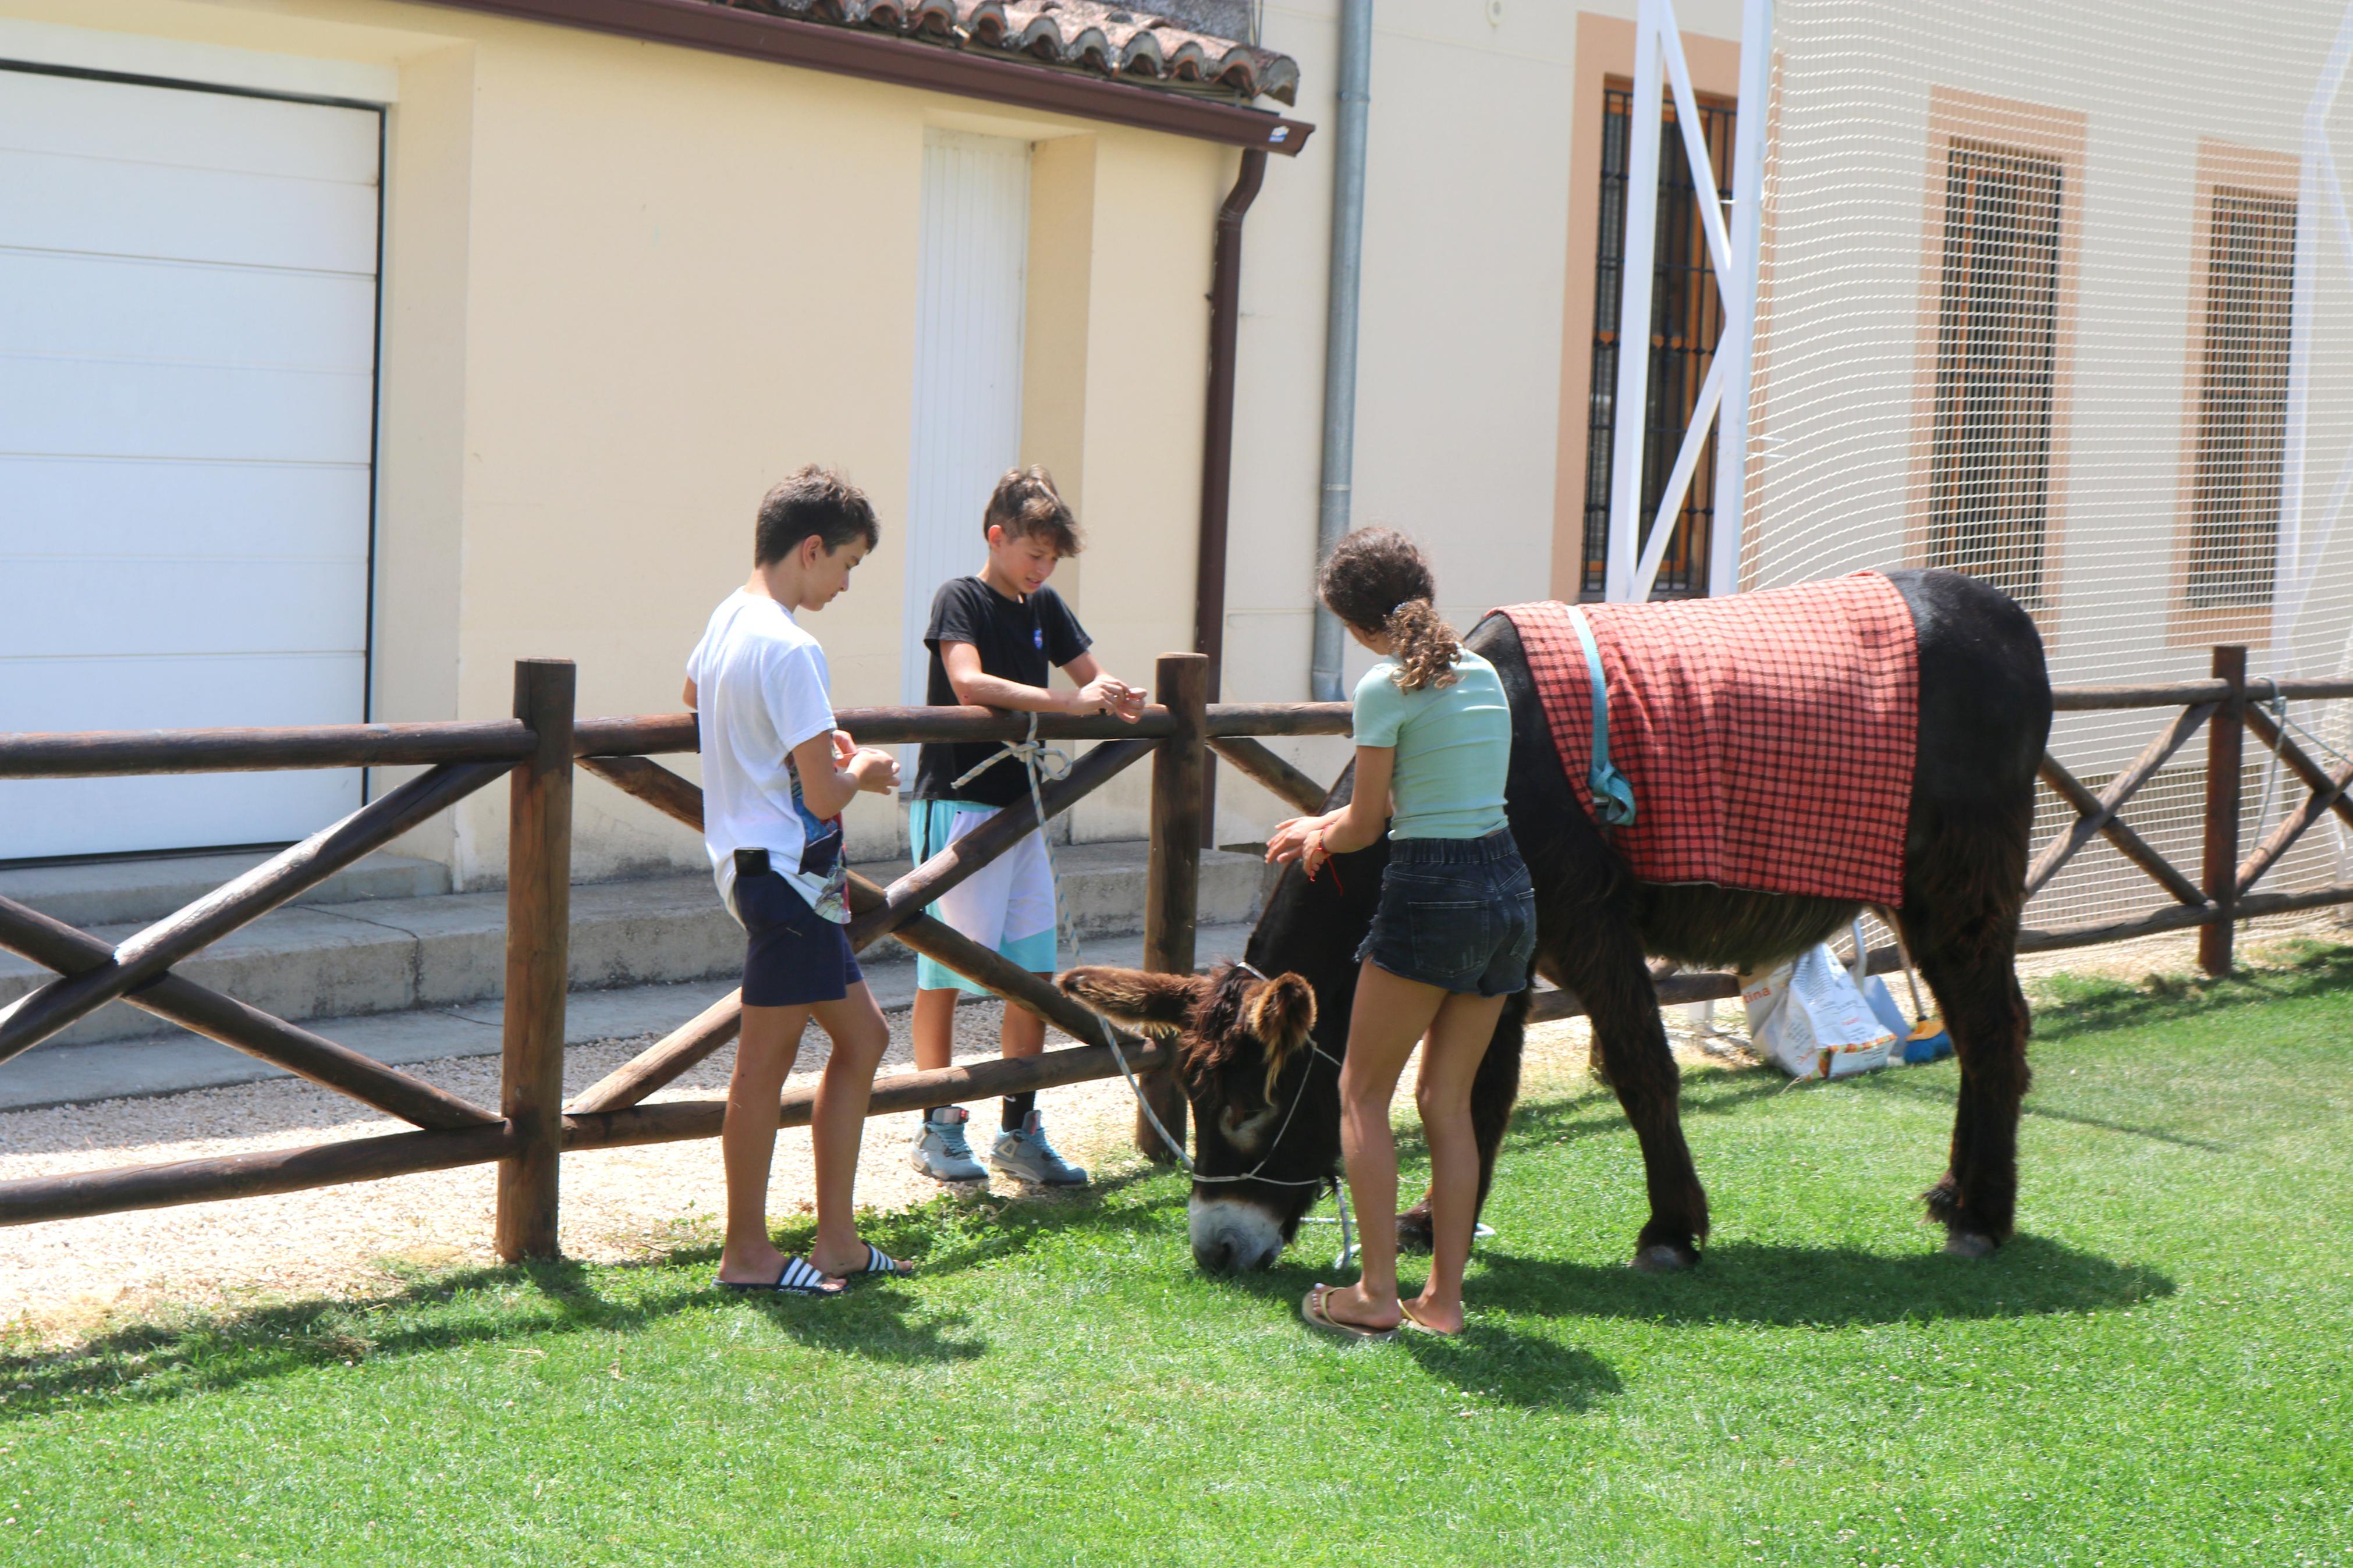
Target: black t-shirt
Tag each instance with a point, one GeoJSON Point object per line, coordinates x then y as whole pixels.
{"type": "Point", "coordinates": [1018, 639]}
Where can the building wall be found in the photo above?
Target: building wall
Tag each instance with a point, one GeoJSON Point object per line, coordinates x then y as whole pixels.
{"type": "Point", "coordinates": [1465, 315]}
{"type": "Point", "coordinates": [627, 286]}
{"type": "Point", "coordinates": [2137, 110]}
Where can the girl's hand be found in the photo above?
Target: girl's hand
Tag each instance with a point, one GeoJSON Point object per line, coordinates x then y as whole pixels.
{"type": "Point", "coordinates": [844, 749]}
{"type": "Point", "coordinates": [1311, 857]}
{"type": "Point", "coordinates": [1289, 840]}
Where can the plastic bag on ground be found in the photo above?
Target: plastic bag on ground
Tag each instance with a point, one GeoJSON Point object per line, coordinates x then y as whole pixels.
{"type": "Point", "coordinates": [1808, 1019]}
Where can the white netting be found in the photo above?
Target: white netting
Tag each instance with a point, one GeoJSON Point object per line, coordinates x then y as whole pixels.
{"type": "Point", "coordinates": [2048, 294]}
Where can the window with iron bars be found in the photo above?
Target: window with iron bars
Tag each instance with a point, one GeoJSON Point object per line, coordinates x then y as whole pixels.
{"type": "Point", "coordinates": [1686, 320]}
{"type": "Point", "coordinates": [1997, 343]}
{"type": "Point", "coordinates": [2242, 401]}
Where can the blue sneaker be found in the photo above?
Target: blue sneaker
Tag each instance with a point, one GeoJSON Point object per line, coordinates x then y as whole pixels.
{"type": "Point", "coordinates": [1028, 1155]}
{"type": "Point", "coordinates": [940, 1151]}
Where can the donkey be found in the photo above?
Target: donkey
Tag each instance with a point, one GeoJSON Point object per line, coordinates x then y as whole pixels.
{"type": "Point", "coordinates": [1267, 1105]}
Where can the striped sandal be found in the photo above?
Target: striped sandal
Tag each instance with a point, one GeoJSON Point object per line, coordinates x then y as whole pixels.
{"type": "Point", "coordinates": [798, 1279]}
{"type": "Point", "coordinates": [881, 1262]}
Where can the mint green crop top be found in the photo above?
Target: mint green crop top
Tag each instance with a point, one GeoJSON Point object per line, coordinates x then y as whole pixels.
{"type": "Point", "coordinates": [1453, 748]}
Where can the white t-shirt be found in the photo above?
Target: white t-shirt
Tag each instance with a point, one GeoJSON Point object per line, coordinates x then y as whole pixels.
{"type": "Point", "coordinates": [761, 682]}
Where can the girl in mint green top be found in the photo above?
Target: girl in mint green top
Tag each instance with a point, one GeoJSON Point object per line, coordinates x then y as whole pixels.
{"type": "Point", "coordinates": [1453, 743]}
{"type": "Point", "coordinates": [1456, 929]}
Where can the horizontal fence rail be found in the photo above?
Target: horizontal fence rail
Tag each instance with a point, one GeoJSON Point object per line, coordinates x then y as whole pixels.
{"type": "Point", "coordinates": [532, 1126]}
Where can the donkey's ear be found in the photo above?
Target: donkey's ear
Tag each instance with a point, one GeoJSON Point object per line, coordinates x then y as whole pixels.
{"type": "Point", "coordinates": [1281, 1015]}
{"type": "Point", "coordinates": [1160, 1005]}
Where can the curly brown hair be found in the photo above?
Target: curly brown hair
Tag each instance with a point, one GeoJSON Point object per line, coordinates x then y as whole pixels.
{"type": "Point", "coordinates": [1376, 580]}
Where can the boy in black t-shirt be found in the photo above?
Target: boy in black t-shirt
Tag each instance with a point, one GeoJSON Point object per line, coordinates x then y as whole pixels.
{"type": "Point", "coordinates": [994, 638]}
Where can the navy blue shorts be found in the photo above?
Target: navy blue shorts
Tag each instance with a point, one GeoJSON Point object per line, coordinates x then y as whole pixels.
{"type": "Point", "coordinates": [794, 955]}
{"type": "Point", "coordinates": [1456, 913]}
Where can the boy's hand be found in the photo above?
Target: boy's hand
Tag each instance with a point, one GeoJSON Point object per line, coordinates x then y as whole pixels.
{"type": "Point", "coordinates": [1108, 694]}
{"type": "Point", "coordinates": [844, 749]}
{"type": "Point", "coordinates": [875, 770]}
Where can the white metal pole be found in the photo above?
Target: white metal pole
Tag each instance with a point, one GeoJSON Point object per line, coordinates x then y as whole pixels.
{"type": "Point", "coordinates": [2289, 575]}
{"type": "Point", "coordinates": [1630, 407]}
{"type": "Point", "coordinates": [1738, 347]}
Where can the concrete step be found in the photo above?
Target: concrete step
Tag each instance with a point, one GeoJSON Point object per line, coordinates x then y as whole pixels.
{"type": "Point", "coordinates": [390, 954]}
{"type": "Point", "coordinates": [113, 892]}
{"type": "Point", "coordinates": [62, 1073]}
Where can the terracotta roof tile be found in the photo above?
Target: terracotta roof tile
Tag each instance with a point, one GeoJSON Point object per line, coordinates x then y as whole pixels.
{"type": "Point", "coordinates": [1078, 34]}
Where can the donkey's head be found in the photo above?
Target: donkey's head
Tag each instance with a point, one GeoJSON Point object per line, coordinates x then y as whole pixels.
{"type": "Point", "coordinates": [1245, 1052]}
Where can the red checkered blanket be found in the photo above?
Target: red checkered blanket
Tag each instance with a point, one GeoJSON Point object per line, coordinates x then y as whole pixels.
{"type": "Point", "coordinates": [1769, 737]}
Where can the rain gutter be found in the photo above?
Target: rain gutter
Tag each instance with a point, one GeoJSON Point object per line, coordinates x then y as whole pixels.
{"type": "Point", "coordinates": [1342, 294]}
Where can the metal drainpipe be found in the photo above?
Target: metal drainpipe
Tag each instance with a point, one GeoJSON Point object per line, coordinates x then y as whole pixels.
{"type": "Point", "coordinates": [1218, 450]}
{"type": "Point", "coordinates": [1340, 330]}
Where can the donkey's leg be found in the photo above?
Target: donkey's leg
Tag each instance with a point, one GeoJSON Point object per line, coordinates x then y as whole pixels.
{"type": "Point", "coordinates": [1492, 1094]}
{"type": "Point", "coordinates": [1601, 962]}
{"type": "Point", "coordinates": [1967, 951]}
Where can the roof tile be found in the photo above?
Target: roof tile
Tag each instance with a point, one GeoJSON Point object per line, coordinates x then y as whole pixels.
{"type": "Point", "coordinates": [1077, 35]}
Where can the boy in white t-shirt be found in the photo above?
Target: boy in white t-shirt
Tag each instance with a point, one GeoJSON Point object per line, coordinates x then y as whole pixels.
{"type": "Point", "coordinates": [776, 774]}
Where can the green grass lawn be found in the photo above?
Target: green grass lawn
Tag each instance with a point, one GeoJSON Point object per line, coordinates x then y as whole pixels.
{"type": "Point", "coordinates": [2155, 1371]}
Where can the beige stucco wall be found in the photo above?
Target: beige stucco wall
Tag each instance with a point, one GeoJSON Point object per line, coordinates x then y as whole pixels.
{"type": "Point", "coordinates": [627, 286]}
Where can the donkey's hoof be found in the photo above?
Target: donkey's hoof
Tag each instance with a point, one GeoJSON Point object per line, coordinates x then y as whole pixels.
{"type": "Point", "coordinates": [1660, 1258]}
{"type": "Point", "coordinates": [1969, 1244]}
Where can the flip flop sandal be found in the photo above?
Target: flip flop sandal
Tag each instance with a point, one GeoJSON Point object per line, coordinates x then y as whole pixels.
{"type": "Point", "coordinates": [1417, 1325]}
{"type": "Point", "coordinates": [798, 1279]}
{"type": "Point", "coordinates": [881, 1262]}
{"type": "Point", "coordinates": [1318, 1316]}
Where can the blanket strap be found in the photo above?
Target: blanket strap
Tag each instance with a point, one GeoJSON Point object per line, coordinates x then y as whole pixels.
{"type": "Point", "coordinates": [1613, 796]}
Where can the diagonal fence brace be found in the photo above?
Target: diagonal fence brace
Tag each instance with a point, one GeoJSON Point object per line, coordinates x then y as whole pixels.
{"type": "Point", "coordinates": [146, 957]}
{"type": "Point", "coordinates": [673, 1055]}
{"type": "Point", "coordinates": [2073, 791]}
{"type": "Point", "coordinates": [61, 947]}
{"type": "Point", "coordinates": [2121, 788]}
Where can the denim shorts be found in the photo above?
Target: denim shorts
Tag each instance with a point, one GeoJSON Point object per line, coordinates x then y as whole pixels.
{"type": "Point", "coordinates": [794, 955]}
{"type": "Point", "coordinates": [1456, 913]}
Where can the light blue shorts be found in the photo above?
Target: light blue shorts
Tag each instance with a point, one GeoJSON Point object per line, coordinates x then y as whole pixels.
{"type": "Point", "coordinates": [1007, 905]}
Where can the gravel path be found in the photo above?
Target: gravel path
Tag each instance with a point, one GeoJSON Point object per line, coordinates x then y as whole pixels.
{"type": "Point", "coordinates": [66, 1278]}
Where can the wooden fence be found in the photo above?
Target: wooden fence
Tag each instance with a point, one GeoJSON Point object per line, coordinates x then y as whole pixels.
{"type": "Point", "coordinates": [540, 747]}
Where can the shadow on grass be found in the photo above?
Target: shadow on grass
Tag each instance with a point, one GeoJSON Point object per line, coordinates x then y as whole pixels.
{"type": "Point", "coordinates": [1944, 1092]}
{"type": "Point", "coordinates": [1788, 1286]}
{"type": "Point", "coordinates": [1495, 1361]}
{"type": "Point", "coordinates": [2068, 1004]}
{"type": "Point", "coordinates": [207, 1351]}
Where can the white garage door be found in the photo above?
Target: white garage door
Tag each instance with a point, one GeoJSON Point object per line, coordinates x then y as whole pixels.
{"type": "Point", "coordinates": [187, 394]}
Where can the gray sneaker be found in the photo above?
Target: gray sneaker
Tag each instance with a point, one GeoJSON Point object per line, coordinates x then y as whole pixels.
{"type": "Point", "coordinates": [1028, 1155]}
{"type": "Point", "coordinates": [940, 1151]}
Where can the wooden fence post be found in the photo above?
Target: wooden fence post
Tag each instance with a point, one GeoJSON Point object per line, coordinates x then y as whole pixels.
{"type": "Point", "coordinates": [2223, 732]}
{"type": "Point", "coordinates": [539, 931]}
{"type": "Point", "coordinates": [1173, 893]}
